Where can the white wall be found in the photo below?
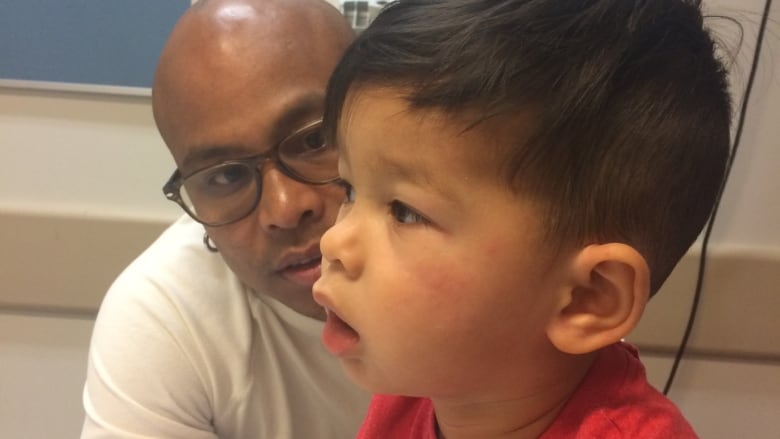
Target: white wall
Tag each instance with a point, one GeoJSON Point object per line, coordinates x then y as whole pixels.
{"type": "Point", "coordinates": [750, 212]}
{"type": "Point", "coordinates": [82, 154]}
{"type": "Point", "coordinates": [80, 180]}
{"type": "Point", "coordinates": [41, 375]}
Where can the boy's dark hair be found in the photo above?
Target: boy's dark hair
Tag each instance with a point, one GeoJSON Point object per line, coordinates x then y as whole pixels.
{"type": "Point", "coordinates": [632, 106]}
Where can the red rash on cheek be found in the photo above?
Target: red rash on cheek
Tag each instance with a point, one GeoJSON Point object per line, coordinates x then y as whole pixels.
{"type": "Point", "coordinates": [492, 249]}
{"type": "Point", "coordinates": [450, 272]}
{"type": "Point", "coordinates": [440, 282]}
{"type": "Point", "coordinates": [444, 279]}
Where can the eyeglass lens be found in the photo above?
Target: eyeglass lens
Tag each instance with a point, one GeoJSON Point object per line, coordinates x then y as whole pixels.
{"type": "Point", "coordinates": [229, 191]}
{"type": "Point", "coordinates": [221, 193]}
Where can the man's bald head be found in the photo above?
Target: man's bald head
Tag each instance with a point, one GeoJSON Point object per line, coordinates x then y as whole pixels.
{"type": "Point", "coordinates": [223, 48]}
{"type": "Point", "coordinates": [262, 18]}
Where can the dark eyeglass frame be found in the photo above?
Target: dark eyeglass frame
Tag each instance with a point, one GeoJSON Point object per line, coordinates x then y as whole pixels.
{"type": "Point", "coordinates": [172, 188]}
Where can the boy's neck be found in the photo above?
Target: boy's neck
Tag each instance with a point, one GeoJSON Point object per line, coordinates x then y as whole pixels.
{"type": "Point", "coordinates": [520, 411]}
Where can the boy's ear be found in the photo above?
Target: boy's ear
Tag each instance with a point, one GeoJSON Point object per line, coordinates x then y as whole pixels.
{"type": "Point", "coordinates": [604, 299]}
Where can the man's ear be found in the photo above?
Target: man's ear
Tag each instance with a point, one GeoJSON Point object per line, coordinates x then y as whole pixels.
{"type": "Point", "coordinates": [609, 285]}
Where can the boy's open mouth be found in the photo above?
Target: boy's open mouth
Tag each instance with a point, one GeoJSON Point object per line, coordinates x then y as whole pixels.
{"type": "Point", "coordinates": [337, 336]}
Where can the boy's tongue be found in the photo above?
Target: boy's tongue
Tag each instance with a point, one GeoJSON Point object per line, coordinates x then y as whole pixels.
{"type": "Point", "coordinates": [337, 336]}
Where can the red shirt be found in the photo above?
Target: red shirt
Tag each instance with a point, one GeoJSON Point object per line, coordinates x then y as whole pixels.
{"type": "Point", "coordinates": [614, 401]}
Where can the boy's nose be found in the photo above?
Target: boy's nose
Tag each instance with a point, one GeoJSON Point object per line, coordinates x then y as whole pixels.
{"type": "Point", "coordinates": [340, 246]}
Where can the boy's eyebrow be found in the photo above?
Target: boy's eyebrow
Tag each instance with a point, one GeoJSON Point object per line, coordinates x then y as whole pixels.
{"type": "Point", "coordinates": [411, 173]}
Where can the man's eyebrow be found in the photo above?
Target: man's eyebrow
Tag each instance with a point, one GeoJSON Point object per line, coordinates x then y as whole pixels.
{"type": "Point", "coordinates": [205, 156]}
{"type": "Point", "coordinates": [303, 108]}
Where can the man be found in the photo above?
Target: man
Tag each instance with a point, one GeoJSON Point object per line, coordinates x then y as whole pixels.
{"type": "Point", "coordinates": [222, 340]}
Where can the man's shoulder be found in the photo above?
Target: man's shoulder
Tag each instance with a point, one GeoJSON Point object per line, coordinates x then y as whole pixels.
{"type": "Point", "coordinates": [175, 281]}
{"type": "Point", "coordinates": [177, 248]}
{"type": "Point", "coordinates": [177, 261]}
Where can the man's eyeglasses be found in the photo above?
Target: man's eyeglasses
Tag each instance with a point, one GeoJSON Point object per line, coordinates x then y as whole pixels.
{"type": "Point", "coordinates": [229, 191]}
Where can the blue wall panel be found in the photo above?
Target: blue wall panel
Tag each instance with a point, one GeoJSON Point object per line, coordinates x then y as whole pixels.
{"type": "Point", "coordinates": [113, 43]}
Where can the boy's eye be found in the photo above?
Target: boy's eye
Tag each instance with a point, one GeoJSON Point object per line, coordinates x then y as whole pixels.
{"type": "Point", "coordinates": [349, 191]}
{"type": "Point", "coordinates": [405, 215]}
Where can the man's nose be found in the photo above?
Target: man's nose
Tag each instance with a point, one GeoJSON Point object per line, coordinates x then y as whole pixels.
{"type": "Point", "coordinates": [285, 203]}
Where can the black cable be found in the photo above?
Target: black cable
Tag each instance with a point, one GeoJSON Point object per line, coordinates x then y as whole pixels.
{"type": "Point", "coordinates": [708, 231]}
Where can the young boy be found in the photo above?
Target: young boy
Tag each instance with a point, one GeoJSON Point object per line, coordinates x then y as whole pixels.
{"type": "Point", "coordinates": [521, 176]}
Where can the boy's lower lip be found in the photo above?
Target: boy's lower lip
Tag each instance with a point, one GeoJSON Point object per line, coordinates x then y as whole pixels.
{"type": "Point", "coordinates": [338, 337]}
{"type": "Point", "coordinates": [305, 274]}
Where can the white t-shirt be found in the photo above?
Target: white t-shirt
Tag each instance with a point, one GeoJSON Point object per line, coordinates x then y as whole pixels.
{"type": "Point", "coordinates": [181, 349]}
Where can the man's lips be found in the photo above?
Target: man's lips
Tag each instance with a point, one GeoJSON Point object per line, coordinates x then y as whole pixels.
{"type": "Point", "coordinates": [301, 267]}
{"type": "Point", "coordinates": [301, 256]}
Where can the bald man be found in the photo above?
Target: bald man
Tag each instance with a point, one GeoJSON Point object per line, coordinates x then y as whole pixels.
{"type": "Point", "coordinates": [212, 332]}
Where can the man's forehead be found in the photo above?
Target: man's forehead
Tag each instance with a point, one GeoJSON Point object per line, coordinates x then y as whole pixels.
{"type": "Point", "coordinates": [201, 144]}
